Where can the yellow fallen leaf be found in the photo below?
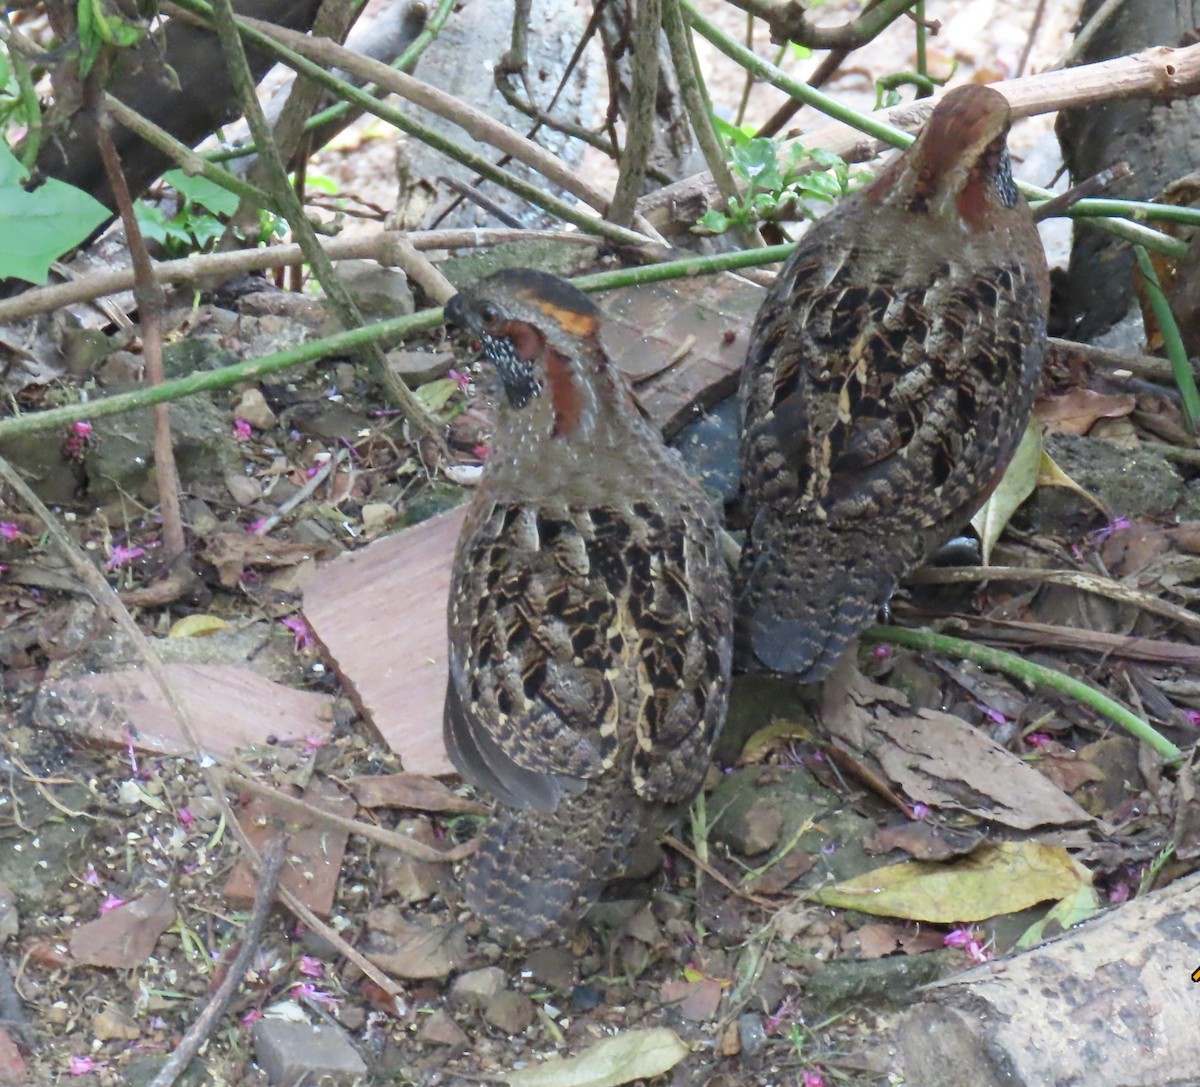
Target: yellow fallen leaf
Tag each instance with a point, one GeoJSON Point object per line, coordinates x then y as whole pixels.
{"type": "Point", "coordinates": [630, 1055]}
{"type": "Point", "coordinates": [1016, 485]}
{"type": "Point", "coordinates": [197, 626]}
{"type": "Point", "coordinates": [766, 739]}
{"type": "Point", "coordinates": [1069, 911]}
{"type": "Point", "coordinates": [993, 880]}
{"type": "Point", "coordinates": [1051, 475]}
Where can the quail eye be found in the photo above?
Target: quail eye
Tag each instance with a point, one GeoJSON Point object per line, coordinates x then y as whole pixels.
{"type": "Point", "coordinates": [489, 314]}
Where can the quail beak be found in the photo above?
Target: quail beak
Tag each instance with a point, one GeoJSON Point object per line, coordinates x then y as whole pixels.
{"type": "Point", "coordinates": [460, 311]}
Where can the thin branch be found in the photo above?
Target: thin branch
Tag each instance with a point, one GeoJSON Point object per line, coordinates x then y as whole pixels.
{"type": "Point", "coordinates": [789, 23]}
{"type": "Point", "coordinates": [242, 779]}
{"type": "Point", "coordinates": [382, 246]}
{"type": "Point", "coordinates": [474, 122]}
{"type": "Point", "coordinates": [206, 1022]}
{"type": "Point", "coordinates": [475, 162]}
{"type": "Point", "coordinates": [150, 301]}
{"type": "Point", "coordinates": [183, 156]}
{"type": "Point", "coordinates": [1075, 579]}
{"type": "Point", "coordinates": [322, 126]}
{"type": "Point", "coordinates": [647, 16]}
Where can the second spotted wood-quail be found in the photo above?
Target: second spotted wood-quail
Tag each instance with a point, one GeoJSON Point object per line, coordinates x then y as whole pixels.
{"type": "Point", "coordinates": [590, 615]}
{"type": "Point", "coordinates": [890, 374]}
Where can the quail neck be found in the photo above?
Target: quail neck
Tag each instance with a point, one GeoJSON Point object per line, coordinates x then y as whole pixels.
{"type": "Point", "coordinates": [566, 425]}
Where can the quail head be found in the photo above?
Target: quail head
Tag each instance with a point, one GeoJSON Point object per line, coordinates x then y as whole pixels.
{"type": "Point", "coordinates": [590, 615]}
{"type": "Point", "coordinates": [890, 374]}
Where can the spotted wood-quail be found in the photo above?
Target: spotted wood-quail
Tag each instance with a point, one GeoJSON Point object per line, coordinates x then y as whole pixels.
{"type": "Point", "coordinates": [890, 374]}
{"type": "Point", "coordinates": [590, 615]}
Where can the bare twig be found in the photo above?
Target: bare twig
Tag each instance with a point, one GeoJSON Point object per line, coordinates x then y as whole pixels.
{"type": "Point", "coordinates": [149, 295]}
{"type": "Point", "coordinates": [206, 1022]}
{"type": "Point", "coordinates": [382, 246]}
{"type": "Point", "coordinates": [242, 779]}
{"type": "Point", "coordinates": [1088, 187]}
{"type": "Point", "coordinates": [1035, 25]}
{"type": "Point", "coordinates": [829, 65]}
{"type": "Point", "coordinates": [788, 21]}
{"type": "Point", "coordinates": [671, 842]}
{"type": "Point", "coordinates": [642, 113]}
{"type": "Point", "coordinates": [1075, 579]}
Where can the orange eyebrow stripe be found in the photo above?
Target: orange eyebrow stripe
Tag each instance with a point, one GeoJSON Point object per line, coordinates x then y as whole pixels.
{"type": "Point", "coordinates": [577, 324]}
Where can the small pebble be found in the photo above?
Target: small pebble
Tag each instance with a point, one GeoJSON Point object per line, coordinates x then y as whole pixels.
{"type": "Point", "coordinates": [751, 1033]}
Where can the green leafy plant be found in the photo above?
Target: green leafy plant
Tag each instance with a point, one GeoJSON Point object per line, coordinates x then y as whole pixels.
{"type": "Point", "coordinates": [40, 225]}
{"type": "Point", "coordinates": [203, 208]}
{"type": "Point", "coordinates": [774, 187]}
{"type": "Point", "coordinates": [98, 26]}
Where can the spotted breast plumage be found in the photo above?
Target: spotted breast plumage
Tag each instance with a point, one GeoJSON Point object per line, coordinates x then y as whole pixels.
{"type": "Point", "coordinates": [590, 615]}
{"type": "Point", "coordinates": [890, 374]}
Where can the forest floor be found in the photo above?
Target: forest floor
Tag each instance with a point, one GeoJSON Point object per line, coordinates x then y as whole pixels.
{"type": "Point", "coordinates": [121, 895]}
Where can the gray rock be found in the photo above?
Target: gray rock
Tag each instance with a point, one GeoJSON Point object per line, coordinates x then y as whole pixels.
{"type": "Point", "coordinates": [441, 1029]}
{"type": "Point", "coordinates": [380, 293]}
{"type": "Point", "coordinates": [120, 454]}
{"type": "Point", "coordinates": [510, 1012]}
{"type": "Point", "coordinates": [295, 1053]}
{"type": "Point", "coordinates": [554, 967]}
{"type": "Point", "coordinates": [752, 829]}
{"type": "Point", "coordinates": [476, 987]}
{"type": "Point", "coordinates": [751, 1034]}
{"type": "Point", "coordinates": [1188, 508]}
{"type": "Point", "coordinates": [1130, 482]}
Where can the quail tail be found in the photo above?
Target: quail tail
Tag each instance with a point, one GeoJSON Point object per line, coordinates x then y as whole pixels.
{"type": "Point", "coordinates": [535, 874]}
{"type": "Point", "coordinates": [805, 599]}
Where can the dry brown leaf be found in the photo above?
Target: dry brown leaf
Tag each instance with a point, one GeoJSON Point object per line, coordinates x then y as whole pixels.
{"type": "Point", "coordinates": [1074, 412]}
{"type": "Point", "coordinates": [416, 791]}
{"type": "Point", "coordinates": [232, 552]}
{"type": "Point", "coordinates": [941, 760]}
{"type": "Point", "coordinates": [126, 936]}
{"type": "Point", "coordinates": [411, 948]}
{"type": "Point", "coordinates": [696, 1001]}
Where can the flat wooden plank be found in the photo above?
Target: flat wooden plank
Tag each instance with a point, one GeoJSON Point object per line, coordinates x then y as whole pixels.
{"type": "Point", "coordinates": [230, 708]}
{"type": "Point", "coordinates": [380, 613]}
{"type": "Point", "coordinates": [313, 851]}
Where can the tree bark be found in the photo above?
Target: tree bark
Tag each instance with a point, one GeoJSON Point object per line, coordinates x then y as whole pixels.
{"type": "Point", "coordinates": [1159, 140]}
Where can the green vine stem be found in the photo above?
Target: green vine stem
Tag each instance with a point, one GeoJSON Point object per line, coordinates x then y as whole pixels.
{"type": "Point", "coordinates": [1168, 328]}
{"type": "Point", "coordinates": [342, 343]}
{"type": "Point", "coordinates": [31, 108]}
{"type": "Point", "coordinates": [346, 342]}
{"type": "Point", "coordinates": [187, 159]}
{"type": "Point", "coordinates": [699, 110]}
{"type": "Point", "coordinates": [767, 72]}
{"type": "Point", "coordinates": [1001, 660]}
